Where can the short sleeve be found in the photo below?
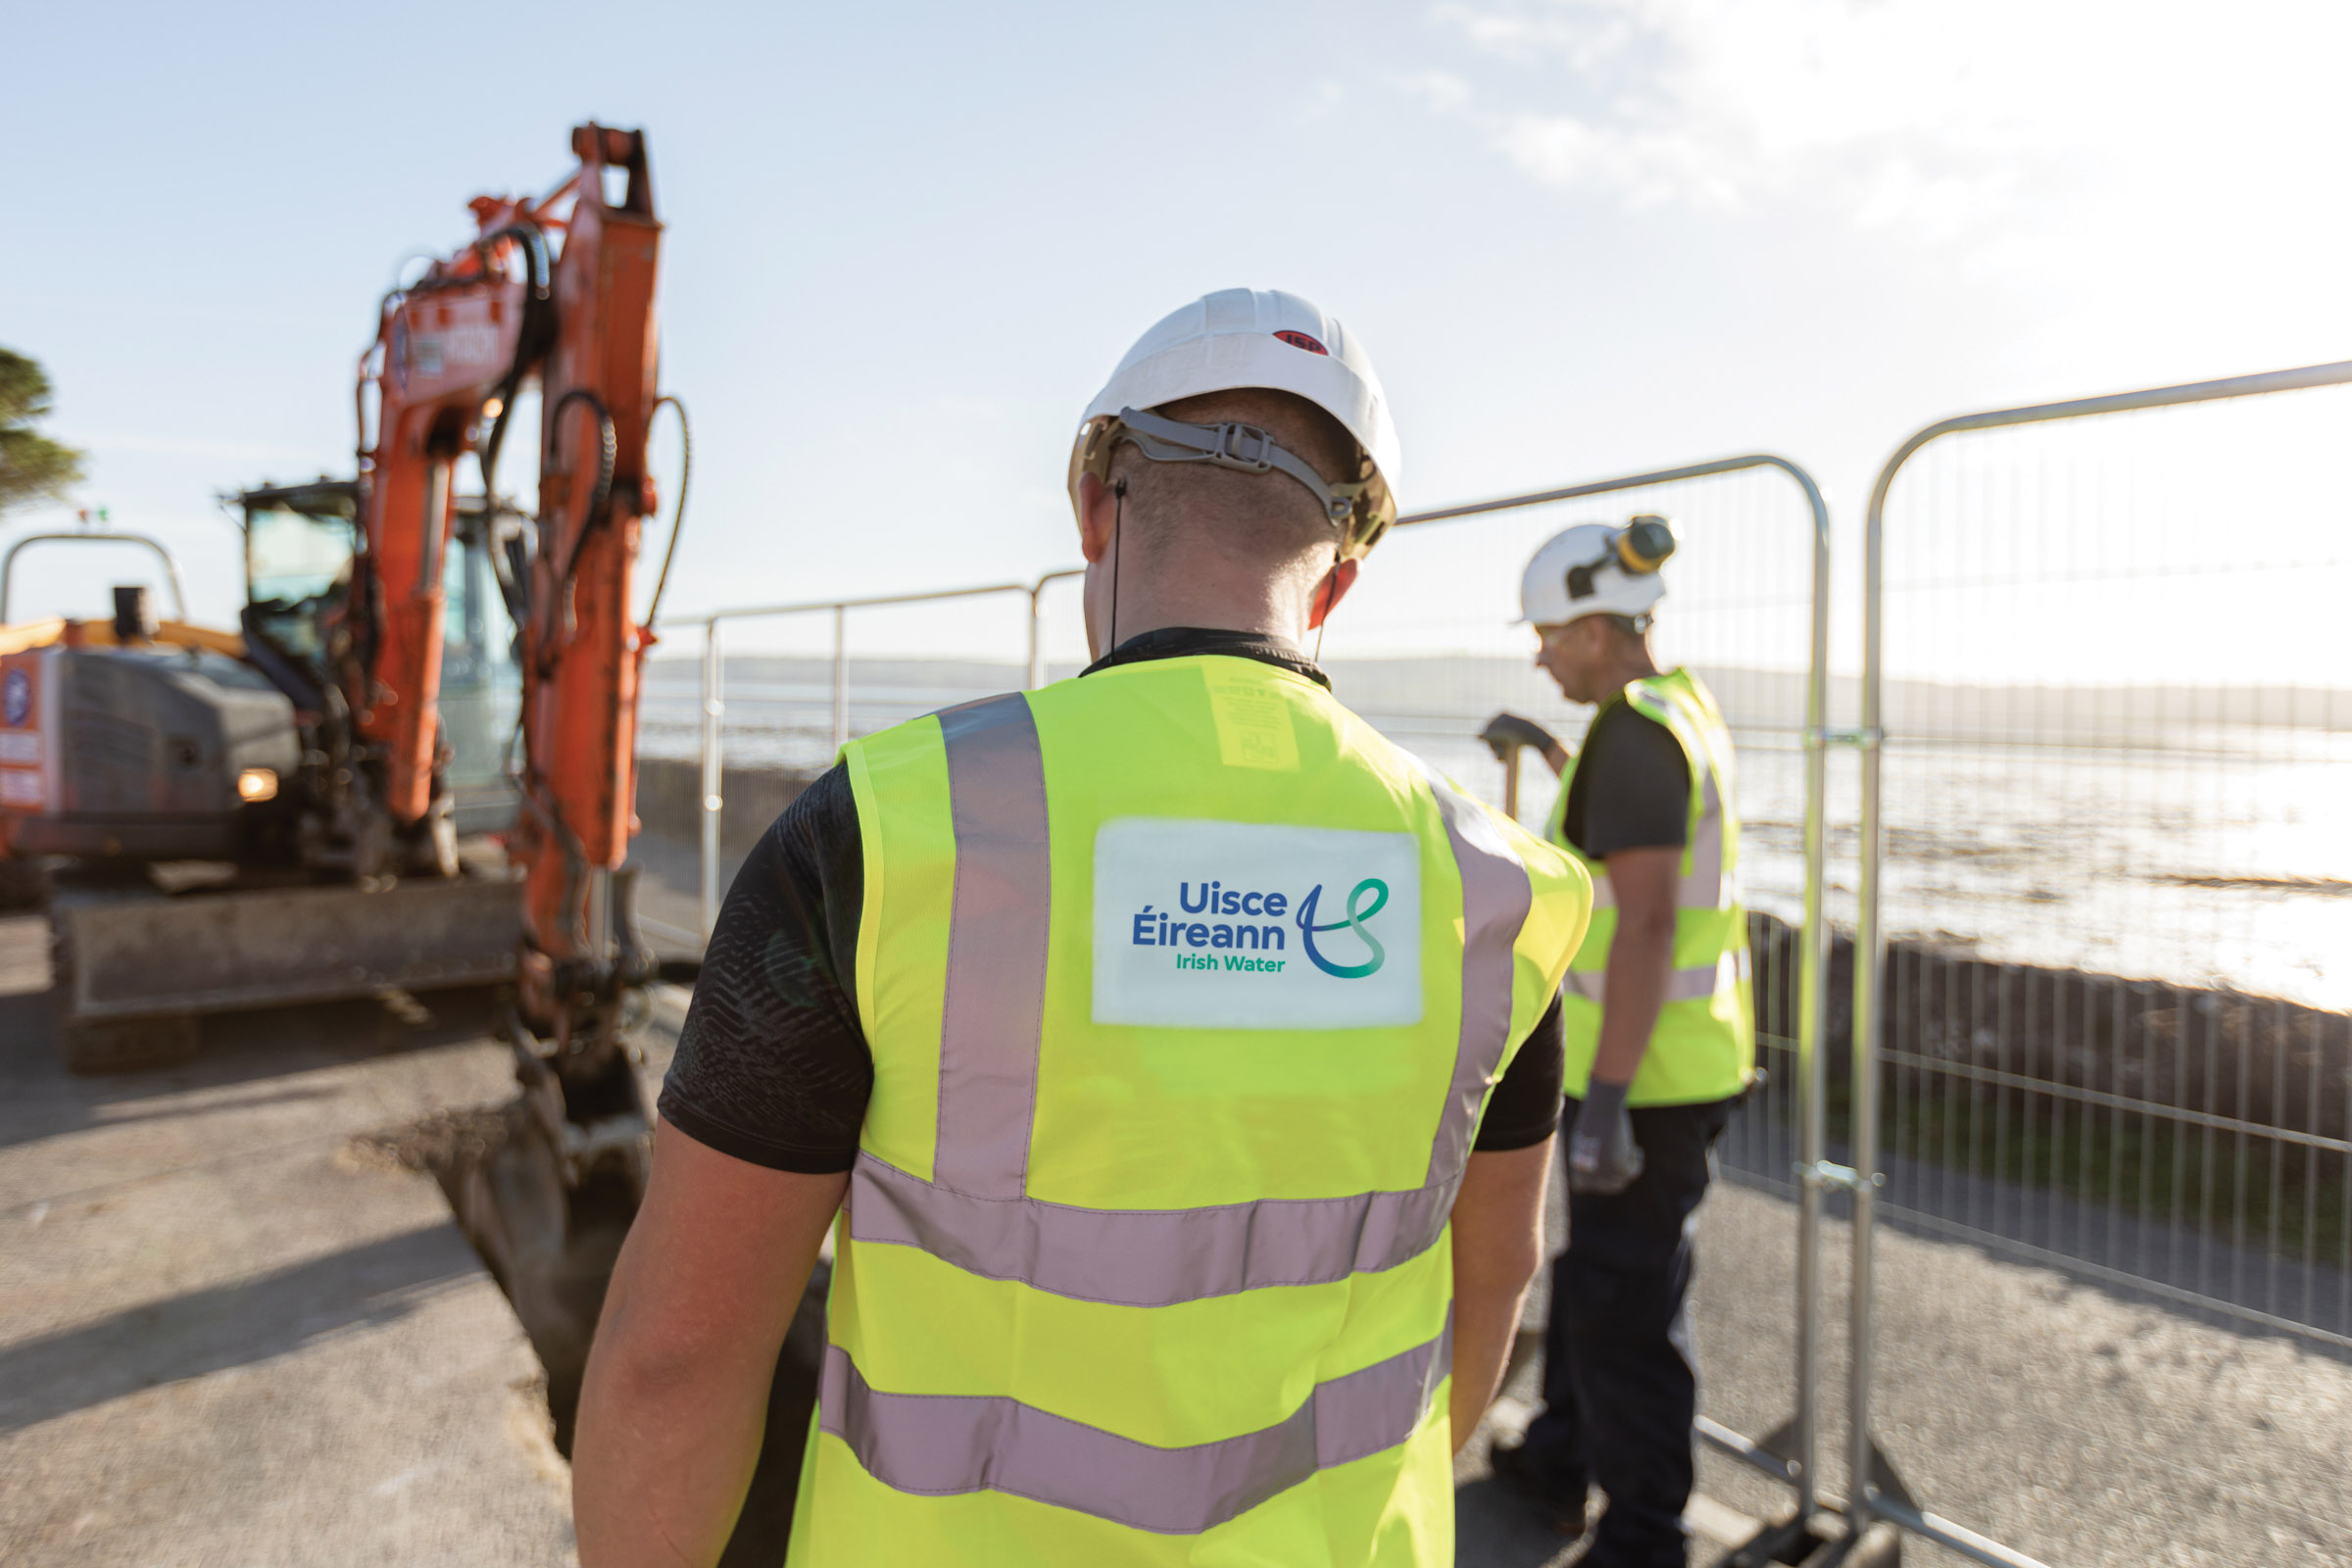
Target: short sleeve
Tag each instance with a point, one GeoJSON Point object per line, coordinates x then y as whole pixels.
{"type": "Point", "coordinates": [772, 1065]}
{"type": "Point", "coordinates": [1525, 1107]}
{"type": "Point", "coordinates": [1631, 786]}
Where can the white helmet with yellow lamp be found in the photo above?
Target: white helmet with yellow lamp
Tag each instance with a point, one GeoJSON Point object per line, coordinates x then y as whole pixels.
{"type": "Point", "coordinates": [1597, 570]}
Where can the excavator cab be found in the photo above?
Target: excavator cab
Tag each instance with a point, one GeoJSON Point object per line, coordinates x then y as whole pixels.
{"type": "Point", "coordinates": [299, 541]}
{"type": "Point", "coordinates": [301, 560]}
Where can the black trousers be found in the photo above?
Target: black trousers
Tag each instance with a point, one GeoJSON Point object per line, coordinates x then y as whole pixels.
{"type": "Point", "coordinates": [1620, 1380]}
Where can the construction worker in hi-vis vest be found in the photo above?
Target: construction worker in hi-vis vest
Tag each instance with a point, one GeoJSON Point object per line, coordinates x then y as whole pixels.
{"type": "Point", "coordinates": [1173, 1061]}
{"type": "Point", "coordinates": [1660, 1039]}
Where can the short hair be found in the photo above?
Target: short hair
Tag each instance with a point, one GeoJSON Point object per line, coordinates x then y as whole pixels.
{"type": "Point", "coordinates": [1266, 518]}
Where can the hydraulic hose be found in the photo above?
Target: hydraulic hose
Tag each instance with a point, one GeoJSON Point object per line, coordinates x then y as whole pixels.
{"type": "Point", "coordinates": [531, 340]}
{"type": "Point", "coordinates": [677, 514]}
{"type": "Point", "coordinates": [607, 456]}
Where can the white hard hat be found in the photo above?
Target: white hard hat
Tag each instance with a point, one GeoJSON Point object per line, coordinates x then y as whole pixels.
{"type": "Point", "coordinates": [1595, 568]}
{"type": "Point", "coordinates": [1238, 337]}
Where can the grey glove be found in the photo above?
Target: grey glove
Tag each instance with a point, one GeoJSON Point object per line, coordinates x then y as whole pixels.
{"type": "Point", "coordinates": [1507, 730]}
{"type": "Point", "coordinates": [1602, 1156]}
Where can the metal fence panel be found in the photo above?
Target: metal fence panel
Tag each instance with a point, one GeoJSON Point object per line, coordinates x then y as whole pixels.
{"type": "Point", "coordinates": [1427, 649]}
{"type": "Point", "coordinates": [778, 689]}
{"type": "Point", "coordinates": [2105, 860]}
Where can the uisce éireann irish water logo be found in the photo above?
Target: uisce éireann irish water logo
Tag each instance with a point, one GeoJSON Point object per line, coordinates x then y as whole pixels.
{"type": "Point", "coordinates": [1353, 920]}
{"type": "Point", "coordinates": [1231, 943]}
{"type": "Point", "coordinates": [1203, 924]}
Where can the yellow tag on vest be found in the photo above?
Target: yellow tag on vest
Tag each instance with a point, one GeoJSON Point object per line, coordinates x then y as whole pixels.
{"type": "Point", "coordinates": [1250, 926]}
{"type": "Point", "coordinates": [1254, 723]}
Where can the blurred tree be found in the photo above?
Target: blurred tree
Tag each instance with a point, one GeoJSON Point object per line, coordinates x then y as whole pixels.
{"type": "Point", "coordinates": [33, 466]}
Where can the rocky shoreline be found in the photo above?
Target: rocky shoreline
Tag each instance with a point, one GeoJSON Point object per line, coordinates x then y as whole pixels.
{"type": "Point", "coordinates": [2011, 1029]}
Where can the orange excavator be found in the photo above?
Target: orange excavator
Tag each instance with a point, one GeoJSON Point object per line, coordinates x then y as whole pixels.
{"type": "Point", "coordinates": [314, 761]}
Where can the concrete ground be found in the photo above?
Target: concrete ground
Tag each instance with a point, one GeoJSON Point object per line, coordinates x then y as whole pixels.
{"type": "Point", "coordinates": [225, 1338]}
{"type": "Point", "coordinates": [222, 1341]}
{"type": "Point", "coordinates": [2082, 1426]}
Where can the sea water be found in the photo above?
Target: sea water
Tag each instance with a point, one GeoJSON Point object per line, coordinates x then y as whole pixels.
{"type": "Point", "coordinates": [2205, 854]}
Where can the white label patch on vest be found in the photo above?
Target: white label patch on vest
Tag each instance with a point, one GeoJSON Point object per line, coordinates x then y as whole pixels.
{"type": "Point", "coordinates": [1248, 925]}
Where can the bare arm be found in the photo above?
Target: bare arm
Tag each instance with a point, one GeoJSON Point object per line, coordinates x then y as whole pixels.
{"type": "Point", "coordinates": [676, 1389]}
{"type": "Point", "coordinates": [1498, 1247]}
{"type": "Point", "coordinates": [1646, 883]}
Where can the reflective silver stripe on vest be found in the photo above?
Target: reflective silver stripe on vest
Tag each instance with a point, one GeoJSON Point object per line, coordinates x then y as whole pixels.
{"type": "Point", "coordinates": [1495, 898]}
{"type": "Point", "coordinates": [1703, 887]}
{"type": "Point", "coordinates": [1695, 983]}
{"type": "Point", "coordinates": [1151, 1256]}
{"type": "Point", "coordinates": [975, 1213]}
{"type": "Point", "coordinates": [942, 1445]}
{"type": "Point", "coordinates": [996, 990]}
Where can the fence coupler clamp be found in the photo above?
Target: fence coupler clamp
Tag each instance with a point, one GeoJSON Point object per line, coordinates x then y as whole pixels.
{"type": "Point", "coordinates": [1844, 1177]}
{"type": "Point", "coordinates": [1820, 738]}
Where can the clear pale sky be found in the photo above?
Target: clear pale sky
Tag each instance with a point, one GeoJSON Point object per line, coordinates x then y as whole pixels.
{"type": "Point", "coordinates": [905, 242]}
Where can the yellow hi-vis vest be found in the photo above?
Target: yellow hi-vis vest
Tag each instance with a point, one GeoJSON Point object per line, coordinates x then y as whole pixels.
{"type": "Point", "coordinates": [1185, 991]}
{"type": "Point", "coordinates": [1704, 1047]}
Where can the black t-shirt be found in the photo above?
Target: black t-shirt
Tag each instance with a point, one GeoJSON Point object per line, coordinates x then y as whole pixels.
{"type": "Point", "coordinates": [1631, 786]}
{"type": "Point", "coordinates": [772, 1065]}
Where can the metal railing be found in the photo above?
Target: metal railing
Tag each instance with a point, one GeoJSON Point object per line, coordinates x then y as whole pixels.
{"type": "Point", "coordinates": [2020, 1065]}
{"type": "Point", "coordinates": [7, 562]}
{"type": "Point", "coordinates": [712, 707]}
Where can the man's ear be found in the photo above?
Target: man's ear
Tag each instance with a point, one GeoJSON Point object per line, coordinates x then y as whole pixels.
{"type": "Point", "coordinates": [1329, 591]}
{"type": "Point", "coordinates": [1097, 515]}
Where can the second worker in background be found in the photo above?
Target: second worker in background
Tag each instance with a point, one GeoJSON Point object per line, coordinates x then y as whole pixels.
{"type": "Point", "coordinates": [1661, 1040]}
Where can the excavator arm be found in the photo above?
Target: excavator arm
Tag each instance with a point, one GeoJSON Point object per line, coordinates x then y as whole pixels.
{"type": "Point", "coordinates": [582, 650]}
{"type": "Point", "coordinates": [557, 292]}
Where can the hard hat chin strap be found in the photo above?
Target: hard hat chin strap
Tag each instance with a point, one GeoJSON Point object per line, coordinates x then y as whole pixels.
{"type": "Point", "coordinates": [1244, 447]}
